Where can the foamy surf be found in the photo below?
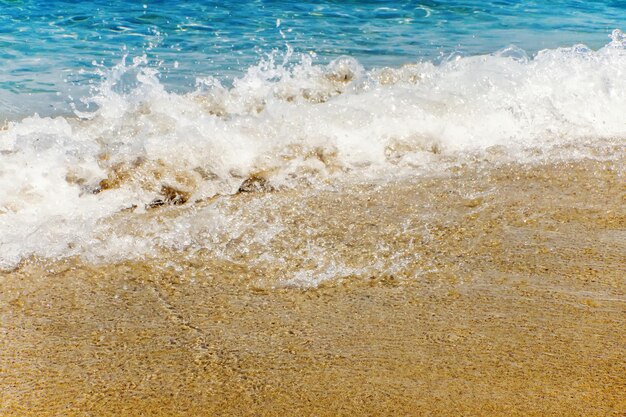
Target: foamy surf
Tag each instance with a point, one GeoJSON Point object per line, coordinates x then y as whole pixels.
{"type": "Point", "coordinates": [284, 124]}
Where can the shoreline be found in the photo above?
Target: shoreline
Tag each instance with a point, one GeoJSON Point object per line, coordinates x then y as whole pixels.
{"type": "Point", "coordinates": [487, 292]}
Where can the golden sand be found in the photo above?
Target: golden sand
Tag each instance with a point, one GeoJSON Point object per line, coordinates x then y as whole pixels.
{"type": "Point", "coordinates": [497, 291]}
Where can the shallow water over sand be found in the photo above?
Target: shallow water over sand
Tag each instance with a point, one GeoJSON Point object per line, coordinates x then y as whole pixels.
{"type": "Point", "coordinates": [497, 290]}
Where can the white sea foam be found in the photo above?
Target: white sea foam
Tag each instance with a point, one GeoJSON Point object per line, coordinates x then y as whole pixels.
{"type": "Point", "coordinates": [285, 125]}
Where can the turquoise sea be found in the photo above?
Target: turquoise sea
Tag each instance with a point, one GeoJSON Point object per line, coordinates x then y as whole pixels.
{"type": "Point", "coordinates": [51, 50]}
{"type": "Point", "coordinates": [111, 107]}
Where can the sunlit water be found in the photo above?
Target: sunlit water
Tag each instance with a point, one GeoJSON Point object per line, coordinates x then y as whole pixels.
{"type": "Point", "coordinates": [119, 108]}
{"type": "Point", "coordinates": [51, 50]}
{"type": "Point", "coordinates": [312, 208]}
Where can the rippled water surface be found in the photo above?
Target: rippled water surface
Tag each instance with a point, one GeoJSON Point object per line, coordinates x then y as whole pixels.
{"type": "Point", "coordinates": [49, 50]}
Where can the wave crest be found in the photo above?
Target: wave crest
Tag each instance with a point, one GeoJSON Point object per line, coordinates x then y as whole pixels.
{"type": "Point", "coordinates": [288, 124]}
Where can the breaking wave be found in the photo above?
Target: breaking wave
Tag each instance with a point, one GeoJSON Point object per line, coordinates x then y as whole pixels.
{"type": "Point", "coordinates": [293, 123]}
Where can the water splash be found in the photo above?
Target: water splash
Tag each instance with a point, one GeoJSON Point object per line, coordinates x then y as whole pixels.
{"type": "Point", "coordinates": [292, 123]}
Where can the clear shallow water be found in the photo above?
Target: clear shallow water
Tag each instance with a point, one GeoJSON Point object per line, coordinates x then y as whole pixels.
{"type": "Point", "coordinates": [50, 50]}
{"type": "Point", "coordinates": [115, 109]}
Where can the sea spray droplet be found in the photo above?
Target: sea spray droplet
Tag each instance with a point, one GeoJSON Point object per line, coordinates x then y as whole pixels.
{"type": "Point", "coordinates": [618, 39]}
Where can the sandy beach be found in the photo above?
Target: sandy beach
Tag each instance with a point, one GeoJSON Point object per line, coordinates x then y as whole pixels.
{"type": "Point", "coordinates": [487, 291]}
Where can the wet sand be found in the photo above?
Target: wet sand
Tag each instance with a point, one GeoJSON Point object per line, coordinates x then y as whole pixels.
{"type": "Point", "coordinates": [485, 291]}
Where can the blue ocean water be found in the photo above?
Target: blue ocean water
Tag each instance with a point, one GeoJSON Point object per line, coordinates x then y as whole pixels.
{"type": "Point", "coordinates": [51, 50]}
